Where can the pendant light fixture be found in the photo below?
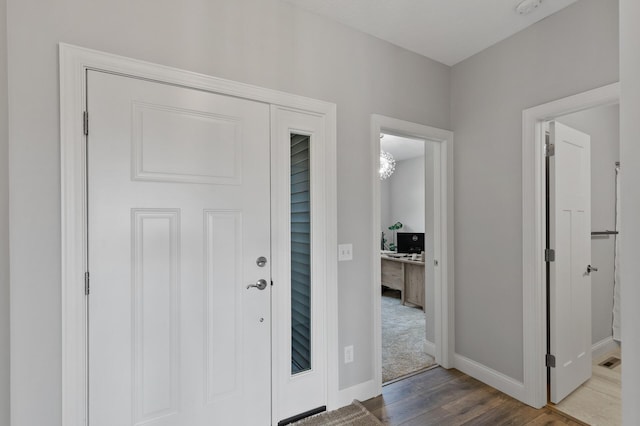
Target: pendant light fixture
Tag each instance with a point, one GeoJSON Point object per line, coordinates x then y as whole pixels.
{"type": "Point", "coordinates": [387, 165]}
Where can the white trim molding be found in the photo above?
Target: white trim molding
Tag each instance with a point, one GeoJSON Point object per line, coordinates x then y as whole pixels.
{"type": "Point", "coordinates": [533, 231]}
{"type": "Point", "coordinates": [489, 376]}
{"type": "Point", "coordinates": [74, 63]}
{"type": "Point", "coordinates": [443, 236]}
{"type": "Point", "coordinates": [430, 348]}
{"type": "Point", "coordinates": [604, 347]}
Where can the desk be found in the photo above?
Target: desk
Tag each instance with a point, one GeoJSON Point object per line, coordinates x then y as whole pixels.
{"type": "Point", "coordinates": [405, 275]}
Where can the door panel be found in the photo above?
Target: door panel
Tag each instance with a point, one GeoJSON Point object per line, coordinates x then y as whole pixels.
{"type": "Point", "coordinates": [299, 230]}
{"type": "Point", "coordinates": [570, 283]}
{"type": "Point", "coordinates": [178, 189]}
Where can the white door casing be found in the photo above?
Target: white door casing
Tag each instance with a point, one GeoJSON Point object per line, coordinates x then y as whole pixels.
{"type": "Point", "coordinates": [534, 295]}
{"type": "Point", "coordinates": [75, 62]}
{"type": "Point", "coordinates": [179, 199]}
{"type": "Point", "coordinates": [443, 236]}
{"type": "Point", "coordinates": [570, 281]}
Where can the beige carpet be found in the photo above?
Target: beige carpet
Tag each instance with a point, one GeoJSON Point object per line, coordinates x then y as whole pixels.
{"type": "Point", "coordinates": [351, 415]}
{"type": "Point", "coordinates": [403, 338]}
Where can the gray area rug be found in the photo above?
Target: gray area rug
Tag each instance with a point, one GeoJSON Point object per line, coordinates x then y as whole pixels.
{"type": "Point", "coordinates": [403, 339]}
{"type": "Point", "coordinates": [351, 415]}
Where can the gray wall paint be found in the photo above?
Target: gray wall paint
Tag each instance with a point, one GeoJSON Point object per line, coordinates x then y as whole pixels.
{"type": "Point", "coordinates": [570, 52]}
{"type": "Point", "coordinates": [407, 195]}
{"type": "Point", "coordinates": [4, 224]}
{"type": "Point", "coordinates": [630, 209]}
{"type": "Point", "coordinates": [603, 125]}
{"type": "Point", "coordinates": [262, 42]}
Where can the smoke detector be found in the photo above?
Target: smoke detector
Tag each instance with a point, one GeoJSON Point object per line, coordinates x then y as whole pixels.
{"type": "Point", "coordinates": [527, 6]}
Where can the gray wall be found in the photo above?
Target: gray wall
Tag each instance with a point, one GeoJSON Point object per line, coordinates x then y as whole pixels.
{"type": "Point", "coordinates": [406, 195]}
{"type": "Point", "coordinates": [570, 52]}
{"type": "Point", "coordinates": [603, 125]}
{"type": "Point", "coordinates": [262, 42]}
{"type": "Point", "coordinates": [4, 224]}
{"type": "Point", "coordinates": [630, 211]}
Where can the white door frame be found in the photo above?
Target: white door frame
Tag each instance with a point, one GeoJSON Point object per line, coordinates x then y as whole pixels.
{"type": "Point", "coordinates": [74, 63]}
{"type": "Point", "coordinates": [443, 238]}
{"type": "Point", "coordinates": [534, 291]}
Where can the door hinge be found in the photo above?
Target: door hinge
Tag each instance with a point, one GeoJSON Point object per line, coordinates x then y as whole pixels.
{"type": "Point", "coordinates": [86, 283]}
{"type": "Point", "coordinates": [549, 255]}
{"type": "Point", "coordinates": [549, 150]}
{"type": "Point", "coordinates": [85, 123]}
{"type": "Point", "coordinates": [550, 361]}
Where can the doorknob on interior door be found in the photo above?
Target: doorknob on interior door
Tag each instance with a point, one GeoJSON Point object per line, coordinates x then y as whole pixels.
{"type": "Point", "coordinates": [591, 269]}
{"type": "Point", "coordinates": [260, 284]}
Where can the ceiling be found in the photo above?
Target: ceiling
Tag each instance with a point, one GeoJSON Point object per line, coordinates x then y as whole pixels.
{"type": "Point", "coordinates": [448, 31]}
{"type": "Point", "coordinates": [402, 148]}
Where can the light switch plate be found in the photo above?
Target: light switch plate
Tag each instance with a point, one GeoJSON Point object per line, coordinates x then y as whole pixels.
{"type": "Point", "coordinates": [345, 252]}
{"type": "Point", "coordinates": [348, 354]}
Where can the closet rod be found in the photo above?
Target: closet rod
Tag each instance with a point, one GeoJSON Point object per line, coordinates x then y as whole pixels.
{"type": "Point", "coordinates": [604, 233]}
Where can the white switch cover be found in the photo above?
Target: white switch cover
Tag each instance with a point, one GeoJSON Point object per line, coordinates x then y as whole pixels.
{"type": "Point", "coordinates": [348, 354]}
{"type": "Point", "coordinates": [345, 252]}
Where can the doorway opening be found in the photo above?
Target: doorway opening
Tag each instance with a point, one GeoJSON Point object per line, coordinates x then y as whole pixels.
{"type": "Point", "coordinates": [592, 395]}
{"type": "Point", "coordinates": [398, 257]}
{"type": "Point", "coordinates": [406, 218]}
{"type": "Point", "coordinates": [535, 294]}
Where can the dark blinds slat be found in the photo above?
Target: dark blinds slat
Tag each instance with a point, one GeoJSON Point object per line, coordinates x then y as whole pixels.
{"type": "Point", "coordinates": [300, 248]}
{"type": "Point", "coordinates": [297, 139]}
{"type": "Point", "coordinates": [301, 197]}
{"type": "Point", "coordinates": [300, 207]}
{"type": "Point", "coordinates": [300, 204]}
{"type": "Point", "coordinates": [300, 227]}
{"type": "Point", "coordinates": [301, 187]}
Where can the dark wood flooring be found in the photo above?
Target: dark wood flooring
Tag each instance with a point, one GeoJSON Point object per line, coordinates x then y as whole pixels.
{"type": "Point", "coordinates": [449, 397]}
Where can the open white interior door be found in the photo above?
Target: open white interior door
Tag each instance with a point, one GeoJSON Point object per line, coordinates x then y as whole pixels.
{"type": "Point", "coordinates": [570, 282]}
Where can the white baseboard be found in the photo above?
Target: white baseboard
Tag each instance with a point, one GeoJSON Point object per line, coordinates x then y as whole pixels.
{"type": "Point", "coordinates": [508, 385]}
{"type": "Point", "coordinates": [361, 392]}
{"type": "Point", "coordinates": [489, 376]}
{"type": "Point", "coordinates": [430, 348]}
{"type": "Point", "coordinates": [603, 347]}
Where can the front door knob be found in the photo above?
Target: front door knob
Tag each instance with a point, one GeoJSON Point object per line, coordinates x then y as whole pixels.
{"type": "Point", "coordinates": [260, 284]}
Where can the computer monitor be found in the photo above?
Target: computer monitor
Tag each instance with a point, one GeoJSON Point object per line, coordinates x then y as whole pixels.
{"type": "Point", "coordinates": [410, 242]}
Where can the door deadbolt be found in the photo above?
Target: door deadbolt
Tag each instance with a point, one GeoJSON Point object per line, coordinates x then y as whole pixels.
{"type": "Point", "coordinates": [591, 269]}
{"type": "Point", "coordinates": [261, 261]}
{"type": "Point", "coordinates": [260, 284]}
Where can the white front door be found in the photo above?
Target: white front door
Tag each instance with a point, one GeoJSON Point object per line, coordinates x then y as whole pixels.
{"type": "Point", "coordinates": [178, 214]}
{"type": "Point", "coordinates": [570, 237]}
